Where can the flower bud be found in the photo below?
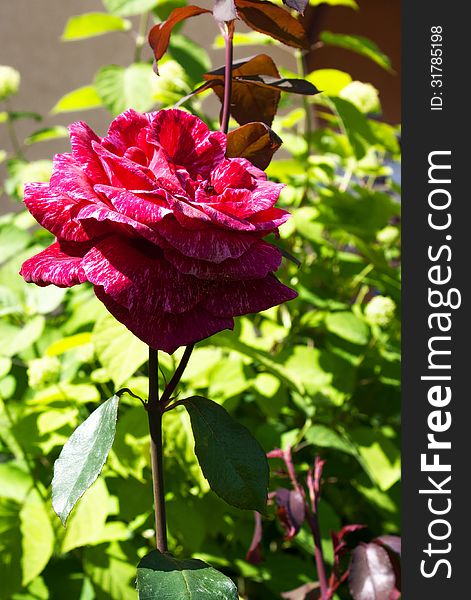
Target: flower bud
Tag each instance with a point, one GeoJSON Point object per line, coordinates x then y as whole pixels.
{"type": "Point", "coordinates": [380, 311]}
{"type": "Point", "coordinates": [43, 371]}
{"type": "Point", "coordinates": [9, 82]}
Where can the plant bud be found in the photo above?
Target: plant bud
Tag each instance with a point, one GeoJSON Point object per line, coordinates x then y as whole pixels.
{"type": "Point", "coordinates": [380, 311]}
{"type": "Point", "coordinates": [9, 81]}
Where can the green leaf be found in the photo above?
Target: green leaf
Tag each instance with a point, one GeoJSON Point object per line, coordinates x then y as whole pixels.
{"type": "Point", "coordinates": [382, 458]}
{"type": "Point", "coordinates": [194, 58]}
{"type": "Point", "coordinates": [92, 24]}
{"type": "Point", "coordinates": [10, 548]}
{"type": "Point", "coordinates": [329, 81]}
{"type": "Point", "coordinates": [349, 327]}
{"type": "Point", "coordinates": [46, 134]}
{"type": "Point", "coordinates": [120, 88]}
{"type": "Point", "coordinates": [127, 8]}
{"type": "Point", "coordinates": [25, 337]}
{"type": "Point", "coordinates": [164, 577]}
{"type": "Point", "coordinates": [119, 351]}
{"type": "Point", "coordinates": [83, 457]}
{"type": "Point", "coordinates": [232, 460]}
{"type": "Point", "coordinates": [112, 573]}
{"type": "Point", "coordinates": [83, 98]}
{"type": "Point", "coordinates": [87, 524]}
{"type": "Point", "coordinates": [38, 536]}
{"type": "Point", "coordinates": [357, 126]}
{"type": "Point", "coordinates": [324, 437]}
{"type": "Point", "coordinates": [357, 44]}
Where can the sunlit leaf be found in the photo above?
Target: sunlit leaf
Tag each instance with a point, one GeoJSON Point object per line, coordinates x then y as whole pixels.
{"type": "Point", "coordinates": [119, 351]}
{"type": "Point", "coordinates": [358, 44]}
{"type": "Point", "coordinates": [159, 36]}
{"type": "Point", "coordinates": [371, 573]}
{"type": "Point", "coordinates": [349, 327]}
{"type": "Point", "coordinates": [46, 134]}
{"type": "Point", "coordinates": [92, 24]}
{"type": "Point", "coordinates": [274, 21]}
{"type": "Point", "coordinates": [163, 576]}
{"type": "Point", "coordinates": [120, 88]}
{"type": "Point", "coordinates": [254, 141]}
{"type": "Point", "coordinates": [84, 98]}
{"type": "Point", "coordinates": [127, 8]}
{"type": "Point", "coordinates": [83, 457]}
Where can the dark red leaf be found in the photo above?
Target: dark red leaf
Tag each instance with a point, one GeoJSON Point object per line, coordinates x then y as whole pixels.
{"type": "Point", "coordinates": [308, 591]}
{"type": "Point", "coordinates": [290, 510]}
{"type": "Point", "coordinates": [372, 575]}
{"type": "Point", "coordinates": [224, 11]}
{"type": "Point", "coordinates": [255, 142]}
{"type": "Point", "coordinates": [249, 102]}
{"type": "Point", "coordinates": [392, 545]}
{"type": "Point", "coordinates": [293, 86]}
{"type": "Point", "coordinates": [254, 553]}
{"type": "Point", "coordinates": [159, 35]}
{"type": "Point", "coordinates": [393, 542]}
{"type": "Point", "coordinates": [298, 5]}
{"type": "Point", "coordinates": [338, 541]}
{"type": "Point", "coordinates": [273, 21]}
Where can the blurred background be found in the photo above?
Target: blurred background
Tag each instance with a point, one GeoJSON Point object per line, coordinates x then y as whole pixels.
{"type": "Point", "coordinates": [319, 376]}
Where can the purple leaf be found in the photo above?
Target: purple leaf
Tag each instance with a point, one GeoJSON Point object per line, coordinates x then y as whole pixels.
{"type": "Point", "coordinates": [393, 542]}
{"type": "Point", "coordinates": [308, 591]}
{"type": "Point", "coordinates": [372, 575]}
{"type": "Point", "coordinates": [298, 5]}
{"type": "Point", "coordinates": [254, 553]}
{"type": "Point", "coordinates": [290, 510]}
{"type": "Point", "coordinates": [338, 540]}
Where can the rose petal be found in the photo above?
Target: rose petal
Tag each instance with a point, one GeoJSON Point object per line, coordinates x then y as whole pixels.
{"type": "Point", "coordinates": [95, 218]}
{"type": "Point", "coordinates": [125, 129]}
{"type": "Point", "coordinates": [236, 298]}
{"type": "Point", "coordinates": [187, 141]}
{"type": "Point", "coordinates": [123, 172]}
{"type": "Point", "coordinates": [259, 260]}
{"type": "Point", "coordinates": [211, 244]}
{"type": "Point", "coordinates": [55, 212]}
{"type": "Point", "coordinates": [68, 178]}
{"type": "Point", "coordinates": [269, 220]}
{"type": "Point", "coordinates": [139, 279]}
{"type": "Point", "coordinates": [147, 210]}
{"type": "Point", "coordinates": [54, 266]}
{"type": "Point", "coordinates": [81, 138]}
{"type": "Point", "coordinates": [230, 173]}
{"type": "Point", "coordinates": [163, 330]}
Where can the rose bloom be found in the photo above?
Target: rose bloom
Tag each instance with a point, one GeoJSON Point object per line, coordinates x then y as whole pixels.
{"type": "Point", "coordinates": [168, 230]}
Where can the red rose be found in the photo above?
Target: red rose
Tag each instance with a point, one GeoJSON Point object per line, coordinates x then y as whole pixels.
{"type": "Point", "coordinates": [168, 230]}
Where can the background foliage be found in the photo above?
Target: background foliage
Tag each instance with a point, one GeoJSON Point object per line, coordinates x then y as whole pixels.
{"type": "Point", "coordinates": [320, 374]}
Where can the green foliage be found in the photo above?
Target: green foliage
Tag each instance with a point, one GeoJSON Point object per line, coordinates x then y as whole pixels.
{"type": "Point", "coordinates": [82, 457]}
{"type": "Point", "coordinates": [83, 98]}
{"type": "Point", "coordinates": [120, 88]}
{"type": "Point", "coordinates": [357, 44]}
{"type": "Point", "coordinates": [162, 576]}
{"type": "Point", "coordinates": [321, 374]}
{"type": "Point", "coordinates": [93, 24]}
{"type": "Point", "coordinates": [232, 460]}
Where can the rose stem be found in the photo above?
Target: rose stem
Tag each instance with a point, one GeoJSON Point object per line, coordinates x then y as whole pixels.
{"type": "Point", "coordinates": [226, 107]}
{"type": "Point", "coordinates": [318, 555]}
{"type": "Point", "coordinates": [154, 413]}
{"type": "Point", "coordinates": [155, 410]}
{"type": "Point", "coordinates": [172, 384]}
{"type": "Point", "coordinates": [313, 520]}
